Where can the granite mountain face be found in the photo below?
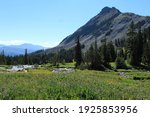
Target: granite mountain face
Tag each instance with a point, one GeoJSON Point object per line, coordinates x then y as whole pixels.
{"type": "Point", "coordinates": [109, 24]}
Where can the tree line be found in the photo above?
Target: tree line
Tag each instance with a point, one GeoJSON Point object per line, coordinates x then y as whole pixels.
{"type": "Point", "coordinates": [39, 57]}
{"type": "Point", "coordinates": [135, 49]}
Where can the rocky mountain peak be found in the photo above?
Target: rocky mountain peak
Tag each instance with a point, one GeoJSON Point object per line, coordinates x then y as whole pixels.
{"type": "Point", "coordinates": [106, 10]}
{"type": "Point", "coordinates": [110, 23]}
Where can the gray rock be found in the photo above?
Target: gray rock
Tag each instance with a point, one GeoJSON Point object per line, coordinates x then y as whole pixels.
{"type": "Point", "coordinates": [20, 68]}
{"type": "Point", "coordinates": [63, 70]}
{"type": "Point", "coordinates": [123, 74]}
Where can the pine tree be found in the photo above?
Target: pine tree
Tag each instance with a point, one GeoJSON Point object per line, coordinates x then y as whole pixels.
{"type": "Point", "coordinates": [97, 63]}
{"type": "Point", "coordinates": [104, 53]}
{"type": "Point", "coordinates": [91, 56]}
{"type": "Point", "coordinates": [4, 58]}
{"type": "Point", "coordinates": [95, 58]}
{"type": "Point", "coordinates": [120, 53]}
{"type": "Point", "coordinates": [120, 59]}
{"type": "Point", "coordinates": [146, 47]}
{"type": "Point", "coordinates": [130, 44]}
{"type": "Point", "coordinates": [120, 63]}
{"type": "Point", "coordinates": [116, 43]}
{"type": "Point", "coordinates": [111, 52]}
{"type": "Point", "coordinates": [26, 57]}
{"type": "Point", "coordinates": [134, 46]}
{"type": "Point", "coordinates": [9, 60]}
{"type": "Point", "coordinates": [139, 48]}
{"type": "Point", "coordinates": [78, 53]}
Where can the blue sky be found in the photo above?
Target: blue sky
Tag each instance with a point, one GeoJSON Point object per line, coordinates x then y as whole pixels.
{"type": "Point", "coordinates": [48, 22]}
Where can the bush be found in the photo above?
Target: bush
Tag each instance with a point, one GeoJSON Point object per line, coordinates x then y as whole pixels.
{"type": "Point", "coordinates": [141, 78]}
{"type": "Point", "coordinates": [83, 66]}
{"type": "Point", "coordinates": [120, 63]}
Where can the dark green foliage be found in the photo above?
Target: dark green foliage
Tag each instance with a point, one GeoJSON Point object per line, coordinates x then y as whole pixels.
{"type": "Point", "coordinates": [66, 55]}
{"type": "Point", "coordinates": [55, 60]}
{"type": "Point", "coordinates": [138, 48]}
{"type": "Point", "coordinates": [107, 51]}
{"type": "Point", "coordinates": [62, 55]}
{"type": "Point", "coordinates": [120, 53]}
{"type": "Point", "coordinates": [99, 59]}
{"type": "Point", "coordinates": [2, 58]}
{"type": "Point", "coordinates": [119, 42]}
{"type": "Point", "coordinates": [96, 62]}
{"type": "Point", "coordinates": [83, 66]}
{"type": "Point", "coordinates": [141, 78]}
{"type": "Point", "coordinates": [9, 60]}
{"type": "Point", "coordinates": [104, 53]}
{"type": "Point", "coordinates": [95, 58]}
{"type": "Point", "coordinates": [120, 63]}
{"type": "Point", "coordinates": [88, 57]}
{"type": "Point", "coordinates": [78, 53]}
{"type": "Point", "coordinates": [106, 57]}
{"type": "Point", "coordinates": [130, 44]}
{"type": "Point", "coordinates": [111, 52]}
{"type": "Point", "coordinates": [120, 60]}
{"type": "Point", "coordinates": [134, 46]}
{"type": "Point", "coordinates": [91, 56]}
{"type": "Point", "coordinates": [116, 43]}
{"type": "Point", "coordinates": [146, 48]}
{"type": "Point", "coordinates": [26, 58]}
{"type": "Point", "coordinates": [42, 57]}
{"type": "Point", "coordinates": [17, 60]}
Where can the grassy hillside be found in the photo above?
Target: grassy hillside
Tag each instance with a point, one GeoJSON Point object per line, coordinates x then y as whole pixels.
{"type": "Point", "coordinates": [89, 85]}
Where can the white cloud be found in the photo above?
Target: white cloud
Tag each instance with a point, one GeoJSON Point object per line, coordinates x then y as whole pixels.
{"type": "Point", "coordinates": [19, 42]}
{"type": "Point", "coordinates": [12, 42]}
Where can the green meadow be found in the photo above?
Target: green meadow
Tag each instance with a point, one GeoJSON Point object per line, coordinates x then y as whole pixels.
{"type": "Point", "coordinates": [43, 84]}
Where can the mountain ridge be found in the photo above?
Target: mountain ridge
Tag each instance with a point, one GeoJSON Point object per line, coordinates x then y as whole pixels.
{"type": "Point", "coordinates": [109, 23]}
{"type": "Point", "coordinates": [13, 50]}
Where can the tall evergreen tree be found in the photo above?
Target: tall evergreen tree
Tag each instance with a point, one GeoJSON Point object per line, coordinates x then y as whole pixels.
{"type": "Point", "coordinates": [95, 58]}
{"type": "Point", "coordinates": [111, 52]}
{"type": "Point", "coordinates": [97, 62]}
{"type": "Point", "coordinates": [26, 57]}
{"type": "Point", "coordinates": [9, 60]}
{"type": "Point", "coordinates": [90, 56]}
{"type": "Point", "coordinates": [130, 44]}
{"type": "Point", "coordinates": [104, 53]}
{"type": "Point", "coordinates": [3, 57]}
{"type": "Point", "coordinates": [138, 48]}
{"type": "Point", "coordinates": [120, 53]}
{"type": "Point", "coordinates": [146, 48]}
{"type": "Point", "coordinates": [78, 53]}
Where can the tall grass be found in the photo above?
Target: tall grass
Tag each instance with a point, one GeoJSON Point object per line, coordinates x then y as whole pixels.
{"type": "Point", "coordinates": [78, 85]}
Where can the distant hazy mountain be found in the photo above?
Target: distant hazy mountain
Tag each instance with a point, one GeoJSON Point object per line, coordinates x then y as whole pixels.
{"type": "Point", "coordinates": [1, 45]}
{"type": "Point", "coordinates": [13, 50]}
{"type": "Point", "coordinates": [110, 23]}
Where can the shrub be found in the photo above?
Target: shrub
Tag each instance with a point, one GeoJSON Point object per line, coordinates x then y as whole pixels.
{"type": "Point", "coordinates": [120, 63]}
{"type": "Point", "coordinates": [141, 78]}
{"type": "Point", "coordinates": [83, 66]}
